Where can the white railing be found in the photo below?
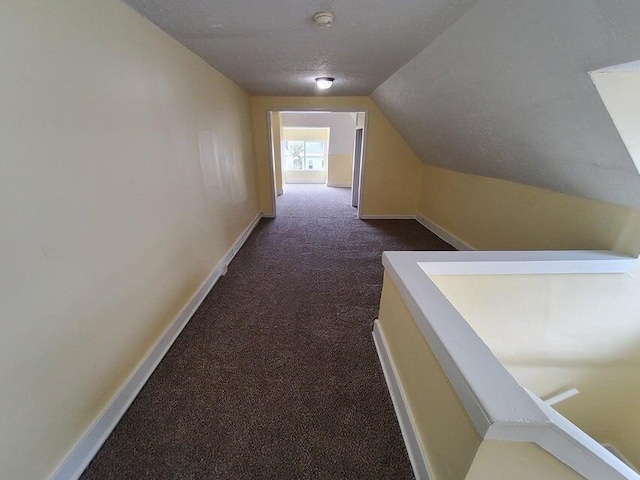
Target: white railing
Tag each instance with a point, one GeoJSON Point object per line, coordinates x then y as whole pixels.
{"type": "Point", "coordinates": [498, 406]}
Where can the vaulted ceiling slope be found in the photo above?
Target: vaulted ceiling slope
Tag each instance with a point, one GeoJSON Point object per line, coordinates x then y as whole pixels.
{"type": "Point", "coordinates": [505, 93]}
{"type": "Point", "coordinates": [272, 47]}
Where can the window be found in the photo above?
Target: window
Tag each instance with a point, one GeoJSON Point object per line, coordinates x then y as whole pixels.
{"type": "Point", "coordinates": [302, 155]}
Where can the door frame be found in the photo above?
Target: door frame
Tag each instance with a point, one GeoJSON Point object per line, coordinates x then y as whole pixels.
{"type": "Point", "coordinates": [357, 153]}
{"type": "Point", "coordinates": [272, 163]}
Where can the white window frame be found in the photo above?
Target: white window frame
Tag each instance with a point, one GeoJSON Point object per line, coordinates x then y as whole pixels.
{"type": "Point", "coordinates": [305, 166]}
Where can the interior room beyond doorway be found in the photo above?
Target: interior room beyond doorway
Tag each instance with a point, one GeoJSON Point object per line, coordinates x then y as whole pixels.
{"type": "Point", "coordinates": [321, 148]}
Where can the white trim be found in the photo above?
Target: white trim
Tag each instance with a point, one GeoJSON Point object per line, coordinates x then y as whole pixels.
{"type": "Point", "coordinates": [417, 455]}
{"type": "Point", "coordinates": [339, 184]}
{"type": "Point", "coordinates": [617, 453]}
{"type": "Point", "coordinates": [387, 217]}
{"type": "Point", "coordinates": [85, 449]}
{"type": "Point", "coordinates": [363, 159]}
{"type": "Point", "coordinates": [561, 397]}
{"type": "Point", "coordinates": [575, 448]}
{"type": "Point", "coordinates": [443, 233]}
{"type": "Point", "coordinates": [524, 262]}
{"type": "Point", "coordinates": [498, 406]}
{"type": "Point", "coordinates": [272, 163]}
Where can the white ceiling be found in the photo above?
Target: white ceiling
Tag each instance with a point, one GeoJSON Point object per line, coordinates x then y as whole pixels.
{"type": "Point", "coordinates": [272, 47]}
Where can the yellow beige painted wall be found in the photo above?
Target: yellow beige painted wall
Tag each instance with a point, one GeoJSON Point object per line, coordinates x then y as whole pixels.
{"type": "Point", "coordinates": [276, 132]}
{"type": "Point", "coordinates": [127, 175]}
{"type": "Point", "coordinates": [629, 237]}
{"type": "Point", "coordinates": [449, 438]}
{"type": "Point", "coordinates": [391, 177]}
{"type": "Point", "coordinates": [492, 214]}
{"type": "Point", "coordinates": [305, 176]}
{"type": "Point", "coordinates": [556, 332]}
{"type": "Point", "coordinates": [497, 460]}
{"type": "Point", "coordinates": [340, 171]}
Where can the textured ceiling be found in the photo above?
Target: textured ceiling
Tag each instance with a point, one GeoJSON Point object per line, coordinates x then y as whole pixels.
{"type": "Point", "coordinates": [498, 88]}
{"type": "Point", "coordinates": [272, 47]}
{"type": "Point", "coordinates": [505, 92]}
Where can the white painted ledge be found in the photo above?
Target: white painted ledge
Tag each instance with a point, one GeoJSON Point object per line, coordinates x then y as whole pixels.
{"type": "Point", "coordinates": [525, 262]}
{"type": "Point", "coordinates": [498, 406]}
{"type": "Point", "coordinates": [81, 454]}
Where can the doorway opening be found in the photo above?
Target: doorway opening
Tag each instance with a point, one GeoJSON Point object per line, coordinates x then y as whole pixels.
{"type": "Point", "coordinates": [324, 148]}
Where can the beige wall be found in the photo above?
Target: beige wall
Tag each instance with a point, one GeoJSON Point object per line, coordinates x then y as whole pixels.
{"type": "Point", "coordinates": [391, 177]}
{"type": "Point", "coordinates": [498, 460]}
{"type": "Point", "coordinates": [305, 176]}
{"type": "Point", "coordinates": [445, 430]}
{"type": "Point", "coordinates": [126, 176]}
{"type": "Point", "coordinates": [340, 171]}
{"type": "Point", "coordinates": [556, 332]}
{"type": "Point", "coordinates": [492, 214]}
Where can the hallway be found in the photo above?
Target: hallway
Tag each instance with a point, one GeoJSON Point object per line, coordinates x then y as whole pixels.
{"type": "Point", "coordinates": [276, 375]}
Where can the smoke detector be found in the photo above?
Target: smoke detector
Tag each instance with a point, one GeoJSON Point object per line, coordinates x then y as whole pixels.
{"type": "Point", "coordinates": [324, 19]}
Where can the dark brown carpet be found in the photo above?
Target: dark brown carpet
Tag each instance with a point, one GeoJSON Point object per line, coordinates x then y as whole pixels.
{"type": "Point", "coordinates": [276, 376]}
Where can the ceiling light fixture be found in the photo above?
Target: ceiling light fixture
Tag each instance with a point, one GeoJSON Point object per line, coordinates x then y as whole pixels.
{"type": "Point", "coordinates": [324, 82]}
{"type": "Point", "coordinates": [324, 19]}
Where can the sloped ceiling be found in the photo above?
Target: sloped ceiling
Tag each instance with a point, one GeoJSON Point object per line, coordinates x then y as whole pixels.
{"type": "Point", "coordinates": [272, 47]}
{"type": "Point", "coordinates": [505, 92]}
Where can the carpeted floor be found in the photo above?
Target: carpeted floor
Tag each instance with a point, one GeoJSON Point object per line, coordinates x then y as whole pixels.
{"type": "Point", "coordinates": [276, 376]}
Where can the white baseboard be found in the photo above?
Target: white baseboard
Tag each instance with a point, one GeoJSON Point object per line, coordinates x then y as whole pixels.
{"type": "Point", "coordinates": [417, 456]}
{"type": "Point", "coordinates": [387, 217]}
{"type": "Point", "coordinates": [81, 454]}
{"type": "Point", "coordinates": [339, 184]}
{"type": "Point", "coordinates": [445, 235]}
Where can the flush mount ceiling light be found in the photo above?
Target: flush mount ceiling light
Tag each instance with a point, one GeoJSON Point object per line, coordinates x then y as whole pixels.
{"type": "Point", "coordinates": [324, 82]}
{"type": "Point", "coordinates": [324, 19]}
